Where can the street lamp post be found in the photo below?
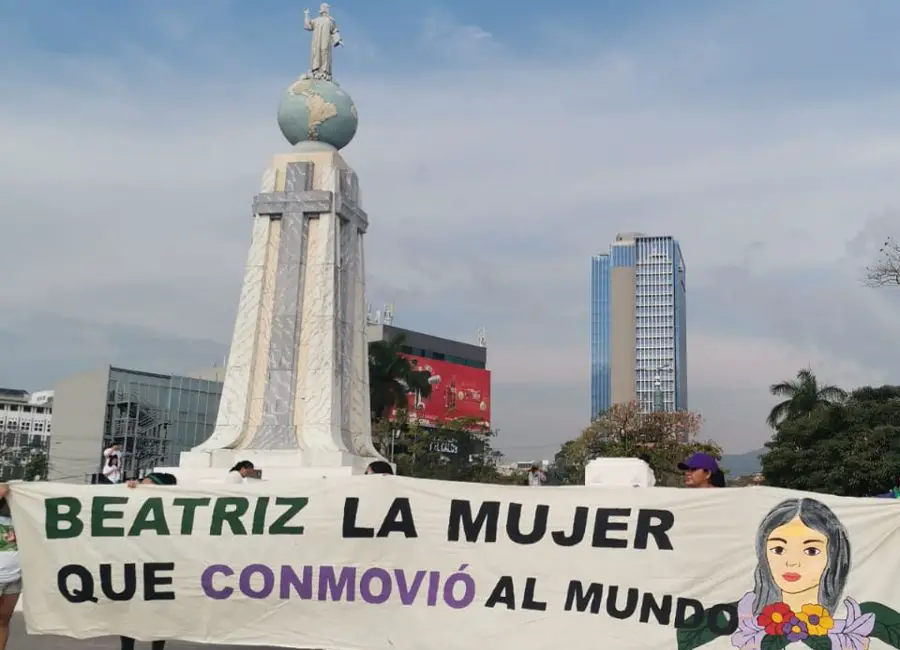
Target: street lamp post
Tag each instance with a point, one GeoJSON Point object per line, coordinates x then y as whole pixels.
{"type": "Point", "coordinates": [659, 403]}
{"type": "Point", "coordinates": [395, 433]}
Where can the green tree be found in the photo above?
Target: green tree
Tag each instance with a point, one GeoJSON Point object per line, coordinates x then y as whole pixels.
{"type": "Point", "coordinates": [568, 465]}
{"type": "Point", "coordinates": [392, 377]}
{"type": "Point", "coordinates": [37, 465]}
{"type": "Point", "coordinates": [458, 450]}
{"type": "Point", "coordinates": [803, 395]}
{"type": "Point", "coordinates": [662, 438]}
{"type": "Point", "coordinates": [847, 448]}
{"type": "Point", "coordinates": [10, 463]}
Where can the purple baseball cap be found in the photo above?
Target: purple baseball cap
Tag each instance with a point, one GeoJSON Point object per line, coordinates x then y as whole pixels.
{"type": "Point", "coordinates": [699, 461]}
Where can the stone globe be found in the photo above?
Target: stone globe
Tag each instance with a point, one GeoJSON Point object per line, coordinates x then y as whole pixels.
{"type": "Point", "coordinates": [317, 110]}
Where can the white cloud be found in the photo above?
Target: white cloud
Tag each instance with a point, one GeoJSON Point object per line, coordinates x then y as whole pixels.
{"type": "Point", "coordinates": [446, 36]}
{"type": "Point", "coordinates": [488, 188]}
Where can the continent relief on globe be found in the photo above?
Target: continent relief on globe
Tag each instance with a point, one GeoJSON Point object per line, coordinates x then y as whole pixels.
{"type": "Point", "coordinates": [318, 107]}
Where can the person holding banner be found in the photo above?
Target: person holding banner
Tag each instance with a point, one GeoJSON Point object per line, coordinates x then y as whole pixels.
{"type": "Point", "coordinates": [153, 478]}
{"type": "Point", "coordinates": [10, 570]}
{"type": "Point", "coordinates": [241, 470]}
{"type": "Point", "coordinates": [702, 471]}
{"type": "Point", "coordinates": [379, 467]}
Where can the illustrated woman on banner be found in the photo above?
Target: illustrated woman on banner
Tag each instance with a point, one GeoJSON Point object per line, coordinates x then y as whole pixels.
{"type": "Point", "coordinates": [803, 562]}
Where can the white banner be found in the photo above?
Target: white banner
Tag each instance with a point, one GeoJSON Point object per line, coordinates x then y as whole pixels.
{"type": "Point", "coordinates": [388, 563]}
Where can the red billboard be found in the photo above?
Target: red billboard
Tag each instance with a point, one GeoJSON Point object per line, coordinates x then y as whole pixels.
{"type": "Point", "coordinates": [456, 392]}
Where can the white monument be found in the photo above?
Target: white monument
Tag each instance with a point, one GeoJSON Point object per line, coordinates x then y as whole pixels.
{"type": "Point", "coordinates": [618, 472]}
{"type": "Point", "coordinates": [296, 395]}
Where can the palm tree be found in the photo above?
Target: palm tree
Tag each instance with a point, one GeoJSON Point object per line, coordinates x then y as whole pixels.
{"type": "Point", "coordinates": [803, 396]}
{"type": "Point", "coordinates": [392, 377]}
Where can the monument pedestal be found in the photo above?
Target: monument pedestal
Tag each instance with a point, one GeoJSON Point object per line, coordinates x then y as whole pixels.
{"type": "Point", "coordinates": [295, 400]}
{"type": "Point", "coordinates": [203, 467]}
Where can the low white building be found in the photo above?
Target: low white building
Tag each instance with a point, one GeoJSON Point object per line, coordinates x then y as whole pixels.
{"type": "Point", "coordinates": [508, 469]}
{"type": "Point", "coordinates": [25, 427]}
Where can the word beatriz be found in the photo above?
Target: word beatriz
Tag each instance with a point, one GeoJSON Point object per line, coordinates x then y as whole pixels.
{"type": "Point", "coordinates": [107, 518]}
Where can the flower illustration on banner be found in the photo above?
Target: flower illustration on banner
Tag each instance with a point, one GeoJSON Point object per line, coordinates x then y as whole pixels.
{"type": "Point", "coordinates": [817, 619]}
{"type": "Point", "coordinates": [774, 616]}
{"type": "Point", "coordinates": [851, 633]}
{"type": "Point", "coordinates": [795, 630]}
{"type": "Point", "coordinates": [803, 563]}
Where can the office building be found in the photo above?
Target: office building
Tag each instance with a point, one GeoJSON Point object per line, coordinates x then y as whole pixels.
{"type": "Point", "coordinates": [157, 416]}
{"type": "Point", "coordinates": [638, 325]}
{"type": "Point", "coordinates": [25, 420]}
{"type": "Point", "coordinates": [460, 380]}
{"type": "Point", "coordinates": [154, 417]}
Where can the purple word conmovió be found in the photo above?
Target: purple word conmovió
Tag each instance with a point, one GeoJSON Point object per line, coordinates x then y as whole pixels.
{"type": "Point", "coordinates": [374, 586]}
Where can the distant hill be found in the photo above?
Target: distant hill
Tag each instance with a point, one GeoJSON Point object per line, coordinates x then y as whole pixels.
{"type": "Point", "coordinates": [743, 464]}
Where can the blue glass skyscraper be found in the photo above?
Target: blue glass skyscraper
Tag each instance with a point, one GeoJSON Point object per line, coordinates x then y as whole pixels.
{"type": "Point", "coordinates": [638, 325]}
{"type": "Point", "coordinates": [601, 389]}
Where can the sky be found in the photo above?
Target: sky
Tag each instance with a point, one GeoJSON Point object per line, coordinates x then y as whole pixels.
{"type": "Point", "coordinates": [500, 145]}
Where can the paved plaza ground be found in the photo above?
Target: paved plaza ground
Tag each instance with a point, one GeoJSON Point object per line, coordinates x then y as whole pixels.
{"type": "Point", "coordinates": [20, 640]}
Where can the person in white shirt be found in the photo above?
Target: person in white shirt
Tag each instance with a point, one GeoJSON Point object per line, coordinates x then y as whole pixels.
{"type": "Point", "coordinates": [536, 476]}
{"type": "Point", "coordinates": [112, 465]}
{"type": "Point", "coordinates": [240, 471]}
{"type": "Point", "coordinates": [10, 571]}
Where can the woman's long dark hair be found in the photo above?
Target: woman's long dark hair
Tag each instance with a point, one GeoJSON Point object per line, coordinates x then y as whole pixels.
{"type": "Point", "coordinates": [717, 478]}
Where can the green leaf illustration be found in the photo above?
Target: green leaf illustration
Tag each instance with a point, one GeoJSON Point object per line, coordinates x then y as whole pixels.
{"type": "Point", "coordinates": [887, 623]}
{"type": "Point", "coordinates": [818, 642]}
{"type": "Point", "coordinates": [697, 635]}
{"type": "Point", "coordinates": [771, 642]}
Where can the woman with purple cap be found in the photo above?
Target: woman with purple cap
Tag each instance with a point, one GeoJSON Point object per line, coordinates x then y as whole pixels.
{"type": "Point", "coordinates": [702, 471]}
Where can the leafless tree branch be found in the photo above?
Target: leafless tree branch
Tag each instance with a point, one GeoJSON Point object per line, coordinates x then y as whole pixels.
{"type": "Point", "coordinates": [886, 270]}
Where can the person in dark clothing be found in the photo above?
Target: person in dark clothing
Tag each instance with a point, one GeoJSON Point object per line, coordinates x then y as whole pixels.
{"type": "Point", "coordinates": [154, 478]}
{"type": "Point", "coordinates": [379, 467]}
